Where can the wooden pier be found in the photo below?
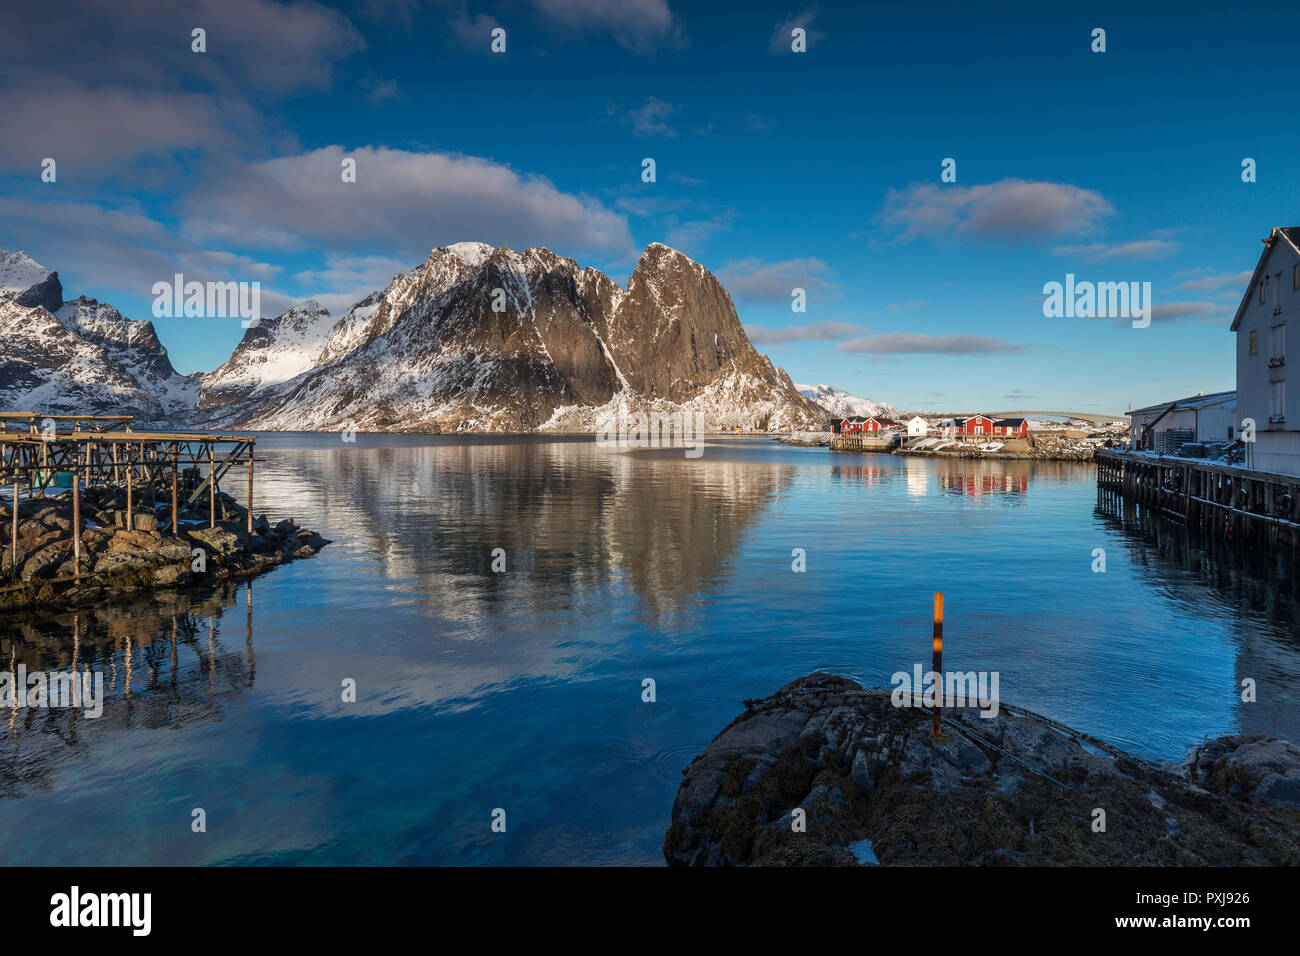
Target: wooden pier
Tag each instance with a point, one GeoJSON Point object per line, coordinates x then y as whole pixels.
{"type": "Point", "coordinates": [1237, 504]}
{"type": "Point", "coordinates": [864, 441]}
{"type": "Point", "coordinates": [39, 452]}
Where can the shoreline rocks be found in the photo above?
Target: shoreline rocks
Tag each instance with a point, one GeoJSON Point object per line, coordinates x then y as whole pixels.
{"type": "Point", "coordinates": [1083, 455]}
{"type": "Point", "coordinates": [116, 562]}
{"type": "Point", "coordinates": [1015, 789]}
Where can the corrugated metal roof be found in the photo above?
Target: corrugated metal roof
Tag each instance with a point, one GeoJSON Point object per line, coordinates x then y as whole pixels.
{"type": "Point", "coordinates": [1193, 401]}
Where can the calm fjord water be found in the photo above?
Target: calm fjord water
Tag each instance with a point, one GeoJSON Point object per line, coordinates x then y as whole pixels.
{"type": "Point", "coordinates": [522, 690]}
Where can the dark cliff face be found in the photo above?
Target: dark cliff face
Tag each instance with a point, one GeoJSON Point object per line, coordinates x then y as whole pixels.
{"type": "Point", "coordinates": [677, 330]}
{"type": "Point", "coordinates": [47, 294]}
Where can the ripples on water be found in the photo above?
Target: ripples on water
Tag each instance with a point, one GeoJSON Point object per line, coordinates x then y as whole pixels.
{"type": "Point", "coordinates": [522, 690]}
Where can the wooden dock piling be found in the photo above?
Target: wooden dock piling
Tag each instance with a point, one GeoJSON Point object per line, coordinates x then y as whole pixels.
{"type": "Point", "coordinates": [13, 564]}
{"type": "Point", "coordinates": [212, 488]}
{"type": "Point", "coordinates": [103, 451]}
{"type": "Point", "coordinates": [176, 498]}
{"type": "Point", "coordinates": [1240, 504]}
{"type": "Point", "coordinates": [76, 523]}
{"type": "Point", "coordinates": [130, 489]}
{"type": "Point", "coordinates": [250, 492]}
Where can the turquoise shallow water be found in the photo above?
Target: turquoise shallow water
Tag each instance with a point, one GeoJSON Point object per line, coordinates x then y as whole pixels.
{"type": "Point", "coordinates": [522, 690]}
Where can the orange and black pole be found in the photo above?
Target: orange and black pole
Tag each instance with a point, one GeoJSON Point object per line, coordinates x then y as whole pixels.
{"type": "Point", "coordinates": [937, 663]}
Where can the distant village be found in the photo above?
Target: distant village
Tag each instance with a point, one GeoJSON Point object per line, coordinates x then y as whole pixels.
{"type": "Point", "coordinates": [1254, 427]}
{"type": "Point", "coordinates": [979, 435]}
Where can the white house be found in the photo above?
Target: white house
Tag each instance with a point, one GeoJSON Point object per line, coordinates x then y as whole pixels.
{"type": "Point", "coordinates": [1197, 418]}
{"type": "Point", "coordinates": [917, 427]}
{"type": "Point", "coordinates": [1260, 324]}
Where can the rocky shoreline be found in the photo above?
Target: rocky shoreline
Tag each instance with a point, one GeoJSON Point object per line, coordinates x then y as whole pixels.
{"type": "Point", "coordinates": [1083, 454]}
{"type": "Point", "coordinates": [1014, 789]}
{"type": "Point", "coordinates": [117, 563]}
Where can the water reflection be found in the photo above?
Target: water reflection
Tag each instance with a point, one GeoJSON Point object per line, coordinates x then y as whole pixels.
{"type": "Point", "coordinates": [1260, 590]}
{"type": "Point", "coordinates": [478, 689]}
{"type": "Point", "coordinates": [570, 520]}
{"type": "Point", "coordinates": [164, 663]}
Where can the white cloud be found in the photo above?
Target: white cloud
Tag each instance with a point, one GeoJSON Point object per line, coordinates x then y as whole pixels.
{"type": "Point", "coordinates": [88, 131]}
{"type": "Point", "coordinates": [812, 332]}
{"type": "Point", "coordinates": [401, 203]}
{"type": "Point", "coordinates": [1173, 311]}
{"type": "Point", "coordinates": [637, 25]}
{"type": "Point", "coordinates": [651, 118]}
{"type": "Point", "coordinates": [908, 343]}
{"type": "Point", "coordinates": [252, 45]}
{"type": "Point", "coordinates": [773, 281]}
{"type": "Point", "coordinates": [692, 234]}
{"type": "Point", "coordinates": [1210, 283]}
{"type": "Point", "coordinates": [1007, 209]}
{"type": "Point", "coordinates": [1135, 251]}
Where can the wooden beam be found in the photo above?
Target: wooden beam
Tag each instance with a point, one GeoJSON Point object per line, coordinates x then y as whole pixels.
{"type": "Point", "coordinates": [212, 487]}
{"type": "Point", "coordinates": [250, 495]}
{"type": "Point", "coordinates": [13, 566]}
{"type": "Point", "coordinates": [76, 524]}
{"type": "Point", "coordinates": [176, 461]}
{"type": "Point", "coordinates": [130, 500]}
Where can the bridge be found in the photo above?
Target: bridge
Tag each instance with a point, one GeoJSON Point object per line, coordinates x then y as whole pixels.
{"type": "Point", "coordinates": [1082, 416]}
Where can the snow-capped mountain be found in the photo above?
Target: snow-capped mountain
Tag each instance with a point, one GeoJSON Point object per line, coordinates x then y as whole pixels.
{"type": "Point", "coordinates": [271, 352]}
{"type": "Point", "coordinates": [483, 338]}
{"type": "Point", "coordinates": [475, 338]}
{"type": "Point", "coordinates": [80, 357]}
{"type": "Point", "coordinates": [843, 405]}
{"type": "Point", "coordinates": [28, 282]}
{"type": "Point", "coordinates": [133, 344]}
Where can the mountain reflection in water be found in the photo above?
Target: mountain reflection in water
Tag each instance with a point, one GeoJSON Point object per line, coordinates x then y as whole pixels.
{"type": "Point", "coordinates": [523, 689]}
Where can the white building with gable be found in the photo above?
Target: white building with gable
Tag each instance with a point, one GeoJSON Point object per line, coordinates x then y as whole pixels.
{"type": "Point", "coordinates": [1271, 299]}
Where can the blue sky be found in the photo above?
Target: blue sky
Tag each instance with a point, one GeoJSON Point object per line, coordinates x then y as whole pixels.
{"type": "Point", "coordinates": [774, 169]}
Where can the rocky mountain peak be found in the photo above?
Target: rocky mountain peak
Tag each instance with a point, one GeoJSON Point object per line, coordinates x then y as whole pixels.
{"type": "Point", "coordinates": [472, 253]}
{"type": "Point", "coordinates": [270, 353]}
{"type": "Point", "coordinates": [29, 283]}
{"type": "Point", "coordinates": [474, 338]}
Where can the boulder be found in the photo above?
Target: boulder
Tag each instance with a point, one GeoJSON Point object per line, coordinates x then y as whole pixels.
{"type": "Point", "coordinates": [1258, 767]}
{"type": "Point", "coordinates": [174, 549]}
{"type": "Point", "coordinates": [218, 540]}
{"type": "Point", "coordinates": [44, 561]}
{"type": "Point", "coordinates": [117, 562]}
{"type": "Point", "coordinates": [145, 521]}
{"type": "Point", "coordinates": [874, 786]}
{"type": "Point", "coordinates": [171, 574]}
